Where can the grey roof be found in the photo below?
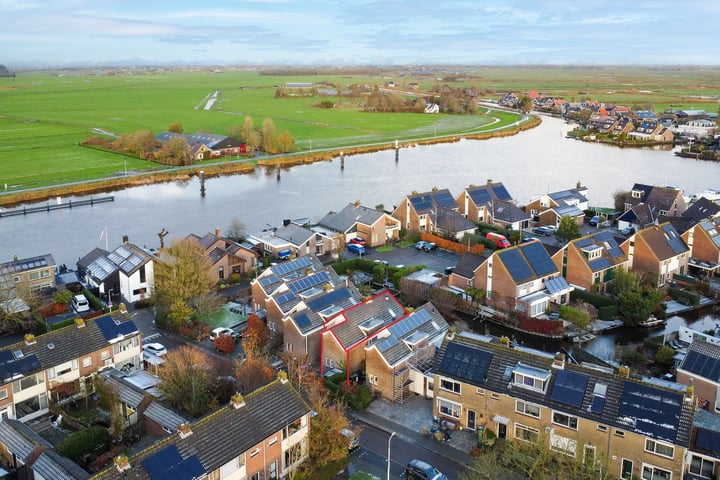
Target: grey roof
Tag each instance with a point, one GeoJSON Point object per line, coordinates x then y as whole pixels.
{"type": "Point", "coordinates": [295, 234]}
{"type": "Point", "coordinates": [97, 265]}
{"type": "Point", "coordinates": [164, 416]}
{"type": "Point", "coordinates": [468, 264]}
{"type": "Point", "coordinates": [352, 214]}
{"type": "Point", "coordinates": [209, 139]}
{"type": "Point", "coordinates": [364, 320]}
{"type": "Point", "coordinates": [71, 342]}
{"type": "Point", "coordinates": [27, 264]}
{"type": "Point", "coordinates": [571, 196]}
{"type": "Point", "coordinates": [702, 209]}
{"type": "Point", "coordinates": [627, 403]}
{"type": "Point", "coordinates": [425, 324]}
{"type": "Point", "coordinates": [56, 467]}
{"type": "Point", "coordinates": [19, 439]}
{"type": "Point", "coordinates": [301, 285]}
{"type": "Point", "coordinates": [663, 240]}
{"type": "Point", "coordinates": [129, 258]}
{"type": "Point", "coordinates": [127, 392]}
{"type": "Point", "coordinates": [451, 221]}
{"type": "Point", "coordinates": [508, 212]}
{"type": "Point", "coordinates": [325, 306]}
{"type": "Point", "coordinates": [275, 276]}
{"type": "Point", "coordinates": [611, 253]}
{"type": "Point", "coordinates": [227, 432]}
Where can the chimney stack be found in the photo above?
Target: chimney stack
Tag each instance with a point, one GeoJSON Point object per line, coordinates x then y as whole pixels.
{"type": "Point", "coordinates": [217, 231]}
{"type": "Point", "coordinates": [126, 239]}
{"type": "Point", "coordinates": [559, 361]}
{"type": "Point", "coordinates": [489, 181]}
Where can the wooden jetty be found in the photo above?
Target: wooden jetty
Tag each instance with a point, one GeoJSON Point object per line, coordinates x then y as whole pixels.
{"type": "Point", "coordinates": [55, 206]}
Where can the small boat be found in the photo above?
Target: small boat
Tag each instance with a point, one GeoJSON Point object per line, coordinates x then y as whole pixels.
{"type": "Point", "coordinates": [585, 337]}
{"type": "Point", "coordinates": [652, 321]}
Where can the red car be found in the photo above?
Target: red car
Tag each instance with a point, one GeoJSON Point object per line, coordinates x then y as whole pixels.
{"type": "Point", "coordinates": [359, 241]}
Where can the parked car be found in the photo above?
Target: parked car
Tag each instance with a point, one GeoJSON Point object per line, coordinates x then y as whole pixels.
{"type": "Point", "coordinates": [355, 248]}
{"type": "Point", "coordinates": [80, 303]}
{"type": "Point", "coordinates": [543, 230]}
{"type": "Point", "coordinates": [419, 470]}
{"type": "Point", "coordinates": [353, 441]}
{"type": "Point", "coordinates": [500, 240]}
{"type": "Point", "coordinates": [420, 245]}
{"type": "Point", "coordinates": [216, 332]}
{"type": "Point", "coordinates": [430, 246]}
{"type": "Point", "coordinates": [627, 231]}
{"type": "Point", "coordinates": [155, 348]}
{"type": "Point", "coordinates": [594, 221]}
{"type": "Point", "coordinates": [529, 239]}
{"type": "Point", "coordinates": [359, 241]}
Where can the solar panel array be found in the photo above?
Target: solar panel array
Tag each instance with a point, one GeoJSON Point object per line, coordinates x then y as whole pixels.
{"type": "Point", "coordinates": [309, 281]}
{"type": "Point", "coordinates": [708, 439]}
{"type": "Point", "coordinates": [583, 242]}
{"type": "Point", "coordinates": [702, 365]}
{"type": "Point", "coordinates": [539, 259]}
{"type": "Point", "coordinates": [168, 463]}
{"type": "Point", "coordinates": [444, 199]}
{"type": "Point", "coordinates": [409, 323]}
{"type": "Point", "coordinates": [334, 296]}
{"type": "Point", "coordinates": [569, 388]}
{"type": "Point", "coordinates": [292, 265]}
{"type": "Point", "coordinates": [480, 196]}
{"type": "Point", "coordinates": [676, 243]}
{"type": "Point", "coordinates": [597, 405]}
{"type": "Point", "coordinates": [501, 192]}
{"type": "Point", "coordinates": [303, 321]}
{"type": "Point", "coordinates": [655, 412]}
{"type": "Point", "coordinates": [516, 265]}
{"type": "Point", "coordinates": [389, 342]}
{"type": "Point", "coordinates": [599, 264]}
{"type": "Point", "coordinates": [465, 363]}
{"type": "Point", "coordinates": [284, 298]}
{"type": "Point", "coordinates": [422, 202]}
{"type": "Point", "coordinates": [27, 264]}
{"type": "Point", "coordinates": [264, 282]}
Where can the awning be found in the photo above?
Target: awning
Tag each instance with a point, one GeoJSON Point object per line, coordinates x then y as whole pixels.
{"type": "Point", "coordinates": [500, 419]}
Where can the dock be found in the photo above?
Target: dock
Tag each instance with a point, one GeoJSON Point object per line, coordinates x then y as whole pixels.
{"type": "Point", "coordinates": [55, 206]}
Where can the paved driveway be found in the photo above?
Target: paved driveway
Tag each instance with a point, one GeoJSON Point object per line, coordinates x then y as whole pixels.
{"type": "Point", "coordinates": [438, 260]}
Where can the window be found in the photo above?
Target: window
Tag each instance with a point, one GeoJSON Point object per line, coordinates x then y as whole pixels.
{"type": "Point", "coordinates": [702, 466]}
{"type": "Point", "coordinates": [87, 361]}
{"type": "Point", "coordinates": [531, 378]}
{"type": "Point", "coordinates": [589, 456]}
{"type": "Point", "coordinates": [480, 391]}
{"type": "Point", "coordinates": [329, 362]}
{"type": "Point", "coordinates": [658, 448]}
{"type": "Point", "coordinates": [272, 326]}
{"type": "Point", "coordinates": [449, 385]}
{"type": "Point", "coordinates": [527, 408]}
{"type": "Point", "coordinates": [272, 470]}
{"type": "Point", "coordinates": [3, 394]}
{"type": "Point", "coordinates": [448, 408]}
{"type": "Point", "coordinates": [373, 379]}
{"type": "Point", "coordinates": [561, 444]}
{"type": "Point", "coordinates": [289, 347]}
{"type": "Point", "coordinates": [568, 421]}
{"type": "Point", "coordinates": [495, 396]}
{"type": "Point", "coordinates": [526, 434]}
{"type": "Point", "coordinates": [602, 428]}
{"type": "Point", "coordinates": [650, 472]}
{"type": "Point", "coordinates": [104, 354]}
{"type": "Point", "coordinates": [619, 433]}
{"type": "Point", "coordinates": [143, 278]}
{"type": "Point", "coordinates": [254, 452]}
{"type": "Point", "coordinates": [221, 272]}
{"type": "Point", "coordinates": [272, 440]}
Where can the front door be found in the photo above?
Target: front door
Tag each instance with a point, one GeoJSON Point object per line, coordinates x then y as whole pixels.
{"type": "Point", "coordinates": [502, 430]}
{"type": "Point", "coordinates": [471, 419]}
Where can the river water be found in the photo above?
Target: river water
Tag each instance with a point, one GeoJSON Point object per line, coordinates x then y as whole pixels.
{"type": "Point", "coordinates": [538, 161]}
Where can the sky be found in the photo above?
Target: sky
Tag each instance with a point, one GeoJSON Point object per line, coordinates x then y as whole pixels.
{"type": "Point", "coordinates": [358, 32]}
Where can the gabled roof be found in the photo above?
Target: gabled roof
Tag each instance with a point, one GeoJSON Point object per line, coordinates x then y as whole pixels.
{"type": "Point", "coordinates": [508, 212]}
{"type": "Point", "coordinates": [325, 306]}
{"type": "Point", "coordinates": [352, 214]}
{"type": "Point", "coordinates": [663, 240]}
{"type": "Point", "coordinates": [702, 360]}
{"type": "Point", "coordinates": [611, 253]}
{"type": "Point", "coordinates": [295, 234]}
{"type": "Point", "coordinates": [468, 264]}
{"type": "Point", "coordinates": [451, 221]}
{"type": "Point", "coordinates": [364, 320]}
{"type": "Point", "coordinates": [482, 195]}
{"type": "Point", "coordinates": [659, 198]}
{"type": "Point", "coordinates": [398, 342]}
{"type": "Point", "coordinates": [27, 264]}
{"type": "Point", "coordinates": [572, 196]}
{"type": "Point", "coordinates": [224, 434]}
{"type": "Point", "coordinates": [639, 214]}
{"type": "Point", "coordinates": [702, 209]}
{"type": "Point", "coordinates": [625, 403]}
{"type": "Point", "coordinates": [19, 439]}
{"type": "Point", "coordinates": [52, 465]}
{"type": "Point", "coordinates": [127, 258]}
{"type": "Point", "coordinates": [275, 276]}
{"type": "Point", "coordinates": [425, 202]}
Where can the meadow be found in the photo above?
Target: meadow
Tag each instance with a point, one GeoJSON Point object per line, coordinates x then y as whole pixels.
{"type": "Point", "coordinates": [44, 115]}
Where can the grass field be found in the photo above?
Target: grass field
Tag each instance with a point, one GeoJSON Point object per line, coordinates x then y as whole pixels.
{"type": "Point", "coordinates": [43, 116]}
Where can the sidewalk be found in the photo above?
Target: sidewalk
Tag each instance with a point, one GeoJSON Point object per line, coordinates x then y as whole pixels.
{"type": "Point", "coordinates": [407, 421]}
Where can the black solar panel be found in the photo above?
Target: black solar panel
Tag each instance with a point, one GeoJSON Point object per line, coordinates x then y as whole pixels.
{"type": "Point", "coordinates": [539, 259]}
{"type": "Point", "coordinates": [516, 265]}
{"type": "Point", "coordinates": [653, 412]}
{"type": "Point", "coordinates": [465, 363]}
{"type": "Point", "coordinates": [480, 196]}
{"type": "Point", "coordinates": [328, 299]}
{"type": "Point", "coordinates": [292, 265]}
{"type": "Point", "coordinates": [676, 243]}
{"type": "Point", "coordinates": [598, 403]}
{"type": "Point", "coordinates": [569, 388]}
{"type": "Point", "coordinates": [310, 281]}
{"type": "Point", "coordinates": [501, 192]}
{"type": "Point", "coordinates": [421, 203]}
{"type": "Point", "coordinates": [702, 365]}
{"type": "Point", "coordinates": [583, 242]}
{"type": "Point", "coordinates": [269, 280]}
{"type": "Point", "coordinates": [708, 439]}
{"type": "Point", "coordinates": [411, 322]}
{"type": "Point", "coordinates": [169, 464]}
{"type": "Point", "coordinates": [599, 264]}
{"type": "Point", "coordinates": [112, 330]}
{"type": "Point", "coordinates": [285, 297]}
{"type": "Point", "coordinates": [444, 199]}
{"type": "Point", "coordinates": [302, 321]}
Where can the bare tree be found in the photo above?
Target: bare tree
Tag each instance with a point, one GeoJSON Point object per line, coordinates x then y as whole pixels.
{"type": "Point", "coordinates": [186, 379]}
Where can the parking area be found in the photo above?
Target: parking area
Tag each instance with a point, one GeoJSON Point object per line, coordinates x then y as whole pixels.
{"type": "Point", "coordinates": [437, 260]}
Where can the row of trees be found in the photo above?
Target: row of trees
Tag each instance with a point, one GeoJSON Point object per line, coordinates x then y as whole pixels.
{"type": "Point", "coordinates": [266, 138]}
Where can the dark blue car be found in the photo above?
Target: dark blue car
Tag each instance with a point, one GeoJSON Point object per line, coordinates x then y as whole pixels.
{"type": "Point", "coordinates": [356, 248]}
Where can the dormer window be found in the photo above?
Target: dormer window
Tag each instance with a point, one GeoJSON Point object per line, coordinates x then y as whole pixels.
{"type": "Point", "coordinates": [637, 194]}
{"type": "Point", "coordinates": [531, 378]}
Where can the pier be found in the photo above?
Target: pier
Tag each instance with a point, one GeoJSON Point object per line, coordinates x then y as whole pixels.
{"type": "Point", "coordinates": [55, 206]}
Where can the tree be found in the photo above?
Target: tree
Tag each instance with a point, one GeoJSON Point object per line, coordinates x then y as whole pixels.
{"type": "Point", "coordinates": [180, 277]}
{"type": "Point", "coordinates": [253, 373]}
{"type": "Point", "coordinates": [63, 296]}
{"type": "Point", "coordinates": [186, 379]}
{"type": "Point", "coordinates": [636, 301]}
{"type": "Point", "coordinates": [174, 152]}
{"type": "Point", "coordinates": [92, 440]}
{"type": "Point", "coordinates": [665, 356]}
{"type": "Point", "coordinates": [256, 337]}
{"type": "Point", "coordinates": [525, 104]}
{"type": "Point", "coordinates": [269, 136]}
{"type": "Point", "coordinates": [285, 141]}
{"type": "Point", "coordinates": [338, 246]}
{"type": "Point", "coordinates": [619, 199]}
{"type": "Point", "coordinates": [236, 230]}
{"type": "Point", "coordinates": [224, 343]}
{"type": "Point", "coordinates": [176, 127]}
{"type": "Point", "coordinates": [568, 229]}
{"type": "Point", "coordinates": [15, 301]}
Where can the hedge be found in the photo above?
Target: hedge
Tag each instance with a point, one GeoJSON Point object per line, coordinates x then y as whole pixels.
{"type": "Point", "coordinates": [594, 299]}
{"type": "Point", "coordinates": [679, 295]}
{"type": "Point", "coordinates": [607, 312]}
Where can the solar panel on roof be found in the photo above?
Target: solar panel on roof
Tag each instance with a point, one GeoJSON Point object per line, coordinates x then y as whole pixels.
{"type": "Point", "coordinates": [287, 267]}
{"type": "Point", "coordinates": [599, 264]}
{"type": "Point", "coordinates": [284, 298]}
{"type": "Point", "coordinates": [444, 199]}
{"type": "Point", "coordinates": [389, 342]}
{"type": "Point", "coordinates": [569, 388]}
{"type": "Point", "coordinates": [583, 242]}
{"type": "Point", "coordinates": [168, 464]}
{"type": "Point", "coordinates": [598, 403]}
{"type": "Point", "coordinates": [538, 258]}
{"type": "Point", "coordinates": [411, 322]}
{"type": "Point", "coordinates": [303, 321]}
{"type": "Point", "coordinates": [676, 243]}
{"type": "Point", "coordinates": [654, 412]}
{"type": "Point", "coordinates": [501, 192]}
{"type": "Point", "coordinates": [708, 439]}
{"type": "Point", "coordinates": [269, 280]}
{"type": "Point", "coordinates": [309, 281]}
{"type": "Point", "coordinates": [328, 299]}
{"type": "Point", "coordinates": [112, 330]}
{"type": "Point", "coordinates": [421, 204]}
{"type": "Point", "coordinates": [480, 196]}
{"type": "Point", "coordinates": [465, 363]}
{"type": "Point", "coordinates": [702, 365]}
{"type": "Point", "coordinates": [516, 265]}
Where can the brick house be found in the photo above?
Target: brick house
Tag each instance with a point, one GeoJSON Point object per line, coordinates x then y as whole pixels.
{"type": "Point", "coordinates": [550, 208]}
{"type": "Point", "coordinates": [634, 429]}
{"type": "Point", "coordinates": [703, 240]}
{"type": "Point", "coordinates": [35, 273]}
{"type": "Point", "coordinates": [355, 220]}
{"type": "Point", "coordinates": [701, 368]}
{"type": "Point", "coordinates": [659, 252]}
{"type": "Point", "coordinates": [225, 256]}
{"type": "Point", "coordinates": [418, 212]}
{"type": "Point", "coordinates": [492, 204]}
{"type": "Point", "coordinates": [290, 241]}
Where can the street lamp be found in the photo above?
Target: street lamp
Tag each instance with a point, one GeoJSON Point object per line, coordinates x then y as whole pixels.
{"type": "Point", "coordinates": [388, 460]}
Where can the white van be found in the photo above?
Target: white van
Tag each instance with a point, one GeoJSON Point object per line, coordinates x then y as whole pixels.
{"type": "Point", "coordinates": [80, 303]}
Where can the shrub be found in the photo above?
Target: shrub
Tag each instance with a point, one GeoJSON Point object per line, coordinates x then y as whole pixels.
{"type": "Point", "coordinates": [225, 343]}
{"type": "Point", "coordinates": [63, 296]}
{"type": "Point", "coordinates": [92, 440]}
{"type": "Point", "coordinates": [607, 312]}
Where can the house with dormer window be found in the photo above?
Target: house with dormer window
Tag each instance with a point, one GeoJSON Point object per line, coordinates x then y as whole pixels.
{"type": "Point", "coordinates": [659, 252]}
{"type": "Point", "coordinates": [627, 427]}
{"type": "Point", "coordinates": [419, 212]}
{"type": "Point", "coordinates": [591, 262]}
{"type": "Point", "coordinates": [373, 226]}
{"type": "Point", "coordinates": [491, 203]}
{"type": "Point", "coordinates": [549, 209]}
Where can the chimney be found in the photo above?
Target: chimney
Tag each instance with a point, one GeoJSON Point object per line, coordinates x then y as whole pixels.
{"type": "Point", "coordinates": [559, 361]}
{"type": "Point", "coordinates": [489, 181]}
{"type": "Point", "coordinates": [184, 429]}
{"type": "Point", "coordinates": [237, 401]}
{"type": "Point", "coordinates": [282, 375]}
{"type": "Point", "coordinates": [286, 222]}
{"type": "Point", "coordinates": [624, 371]}
{"type": "Point", "coordinates": [125, 239]}
{"type": "Point", "coordinates": [122, 463]}
{"type": "Point", "coordinates": [79, 322]}
{"type": "Point", "coordinates": [217, 231]}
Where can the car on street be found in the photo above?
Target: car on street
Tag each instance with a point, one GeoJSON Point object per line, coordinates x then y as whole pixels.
{"type": "Point", "coordinates": [219, 331]}
{"type": "Point", "coordinates": [430, 246]}
{"type": "Point", "coordinates": [543, 230]}
{"type": "Point", "coordinates": [529, 239]}
{"type": "Point", "coordinates": [155, 348]}
{"type": "Point", "coordinates": [359, 241]}
{"type": "Point", "coordinates": [420, 245]}
{"type": "Point", "coordinates": [419, 470]}
{"type": "Point", "coordinates": [594, 221]}
{"type": "Point", "coordinates": [355, 248]}
{"type": "Point", "coordinates": [627, 231]}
